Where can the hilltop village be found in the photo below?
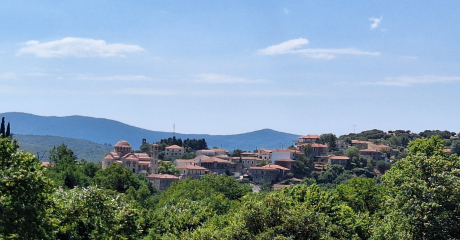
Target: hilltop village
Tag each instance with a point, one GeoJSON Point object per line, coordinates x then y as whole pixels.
{"type": "Point", "coordinates": [270, 166]}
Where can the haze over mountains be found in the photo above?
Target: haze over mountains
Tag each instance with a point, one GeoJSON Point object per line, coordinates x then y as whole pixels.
{"type": "Point", "coordinates": [102, 131]}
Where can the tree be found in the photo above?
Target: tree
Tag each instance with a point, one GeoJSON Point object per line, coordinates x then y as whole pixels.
{"type": "Point", "coordinates": [455, 148]}
{"type": "Point", "coordinates": [24, 194]}
{"type": "Point", "coordinates": [330, 140]}
{"type": "Point", "coordinates": [167, 167]}
{"type": "Point", "coordinates": [65, 170]}
{"type": "Point", "coordinates": [236, 153]}
{"type": "Point", "coordinates": [302, 166]}
{"type": "Point", "coordinates": [424, 190]}
{"type": "Point", "coordinates": [116, 177]}
{"type": "Point", "coordinates": [92, 213]}
{"type": "Point", "coordinates": [2, 127]}
{"type": "Point", "coordinates": [8, 133]}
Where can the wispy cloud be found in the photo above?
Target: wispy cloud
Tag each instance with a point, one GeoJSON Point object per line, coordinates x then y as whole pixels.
{"type": "Point", "coordinates": [292, 47]}
{"type": "Point", "coordinates": [405, 81]}
{"type": "Point", "coordinates": [204, 93]}
{"type": "Point", "coordinates": [219, 78]}
{"type": "Point", "coordinates": [8, 75]}
{"type": "Point", "coordinates": [115, 78]}
{"type": "Point", "coordinates": [77, 47]}
{"type": "Point", "coordinates": [375, 22]}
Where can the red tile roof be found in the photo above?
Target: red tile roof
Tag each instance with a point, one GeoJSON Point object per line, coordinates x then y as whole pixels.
{"type": "Point", "coordinates": [175, 147]}
{"type": "Point", "coordinates": [309, 136]}
{"type": "Point", "coordinates": [163, 176]}
{"type": "Point", "coordinates": [122, 143]}
{"type": "Point", "coordinates": [270, 167]}
{"type": "Point", "coordinates": [188, 166]}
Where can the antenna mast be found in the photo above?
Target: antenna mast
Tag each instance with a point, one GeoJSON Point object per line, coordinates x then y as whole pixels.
{"type": "Point", "coordinates": [174, 129]}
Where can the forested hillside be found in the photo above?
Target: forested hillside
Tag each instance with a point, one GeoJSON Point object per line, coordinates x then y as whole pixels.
{"type": "Point", "coordinates": [83, 149]}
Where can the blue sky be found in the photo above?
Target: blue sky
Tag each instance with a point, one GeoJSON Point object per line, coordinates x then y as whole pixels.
{"type": "Point", "coordinates": [227, 67]}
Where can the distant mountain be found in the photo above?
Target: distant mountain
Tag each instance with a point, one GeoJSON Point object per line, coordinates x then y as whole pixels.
{"type": "Point", "coordinates": [40, 145]}
{"type": "Point", "coordinates": [102, 131]}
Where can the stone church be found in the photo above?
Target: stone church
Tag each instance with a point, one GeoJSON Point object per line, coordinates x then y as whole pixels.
{"type": "Point", "coordinates": [137, 162]}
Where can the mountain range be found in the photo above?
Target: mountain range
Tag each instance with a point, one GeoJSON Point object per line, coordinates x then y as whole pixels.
{"type": "Point", "coordinates": [108, 132]}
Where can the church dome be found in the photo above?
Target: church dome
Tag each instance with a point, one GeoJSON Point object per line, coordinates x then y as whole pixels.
{"type": "Point", "coordinates": [122, 143]}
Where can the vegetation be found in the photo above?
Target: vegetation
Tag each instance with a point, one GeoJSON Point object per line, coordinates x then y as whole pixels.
{"type": "Point", "coordinates": [417, 198]}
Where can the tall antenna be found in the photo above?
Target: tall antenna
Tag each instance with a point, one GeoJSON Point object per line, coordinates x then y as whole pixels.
{"type": "Point", "coordinates": [354, 129]}
{"type": "Point", "coordinates": [174, 129]}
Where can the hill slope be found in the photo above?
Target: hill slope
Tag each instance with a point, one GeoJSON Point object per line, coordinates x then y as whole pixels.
{"type": "Point", "coordinates": [102, 131]}
{"type": "Point", "coordinates": [40, 145]}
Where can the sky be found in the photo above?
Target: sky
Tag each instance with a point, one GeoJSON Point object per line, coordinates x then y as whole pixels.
{"type": "Point", "coordinates": [229, 67]}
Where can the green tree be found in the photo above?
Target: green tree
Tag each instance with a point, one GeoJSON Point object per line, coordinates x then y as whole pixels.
{"type": "Point", "coordinates": [118, 178]}
{"type": "Point", "coordinates": [24, 194]}
{"type": "Point", "coordinates": [2, 127]}
{"type": "Point", "coordinates": [425, 191]}
{"type": "Point", "coordinates": [92, 213]}
{"type": "Point", "coordinates": [167, 167]}
{"type": "Point", "coordinates": [65, 170]}
{"type": "Point", "coordinates": [8, 131]}
{"type": "Point", "coordinates": [330, 140]}
{"type": "Point", "coordinates": [455, 148]}
{"type": "Point", "coordinates": [302, 166]}
{"type": "Point", "coordinates": [236, 153]}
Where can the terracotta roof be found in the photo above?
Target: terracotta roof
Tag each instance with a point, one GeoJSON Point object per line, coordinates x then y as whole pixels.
{"type": "Point", "coordinates": [46, 164]}
{"type": "Point", "coordinates": [206, 150]}
{"type": "Point", "coordinates": [222, 156]}
{"type": "Point", "coordinates": [220, 149]}
{"type": "Point", "coordinates": [319, 145]}
{"type": "Point", "coordinates": [144, 162]}
{"type": "Point", "coordinates": [446, 150]}
{"type": "Point", "coordinates": [142, 156]}
{"type": "Point", "coordinates": [130, 156]}
{"type": "Point", "coordinates": [212, 160]}
{"type": "Point", "coordinates": [122, 143]}
{"type": "Point", "coordinates": [296, 180]}
{"type": "Point", "coordinates": [185, 160]}
{"type": "Point", "coordinates": [270, 167]}
{"type": "Point", "coordinates": [202, 156]}
{"type": "Point", "coordinates": [175, 147]}
{"type": "Point", "coordinates": [339, 158]}
{"type": "Point", "coordinates": [248, 153]}
{"type": "Point", "coordinates": [111, 156]}
{"type": "Point", "coordinates": [188, 166]}
{"type": "Point", "coordinates": [163, 176]}
{"type": "Point", "coordinates": [309, 136]}
{"type": "Point", "coordinates": [284, 160]}
{"type": "Point", "coordinates": [265, 150]}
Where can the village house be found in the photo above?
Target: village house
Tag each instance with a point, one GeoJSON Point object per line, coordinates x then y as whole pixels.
{"type": "Point", "coordinates": [318, 150]}
{"type": "Point", "coordinates": [162, 181]}
{"type": "Point", "coordinates": [341, 160]}
{"type": "Point", "coordinates": [284, 154]}
{"type": "Point", "coordinates": [247, 161]}
{"type": "Point", "coordinates": [374, 154]}
{"type": "Point", "coordinates": [268, 173]}
{"type": "Point", "coordinates": [306, 139]}
{"type": "Point", "coordinates": [359, 144]}
{"type": "Point", "coordinates": [212, 152]}
{"type": "Point", "coordinates": [136, 162]}
{"type": "Point", "coordinates": [218, 166]}
{"type": "Point", "coordinates": [191, 171]}
{"type": "Point", "coordinates": [264, 154]}
{"type": "Point", "coordinates": [287, 163]}
{"type": "Point", "coordinates": [173, 151]}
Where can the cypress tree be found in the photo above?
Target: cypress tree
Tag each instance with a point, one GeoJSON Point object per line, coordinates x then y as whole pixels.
{"type": "Point", "coordinates": [2, 128]}
{"type": "Point", "coordinates": [8, 134]}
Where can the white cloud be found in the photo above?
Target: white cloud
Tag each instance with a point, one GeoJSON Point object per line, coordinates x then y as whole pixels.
{"type": "Point", "coordinates": [116, 78]}
{"type": "Point", "coordinates": [8, 75]}
{"type": "Point", "coordinates": [375, 22]}
{"type": "Point", "coordinates": [405, 81]}
{"type": "Point", "coordinates": [291, 47]}
{"type": "Point", "coordinates": [77, 47]}
{"type": "Point", "coordinates": [219, 78]}
{"type": "Point", "coordinates": [168, 92]}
